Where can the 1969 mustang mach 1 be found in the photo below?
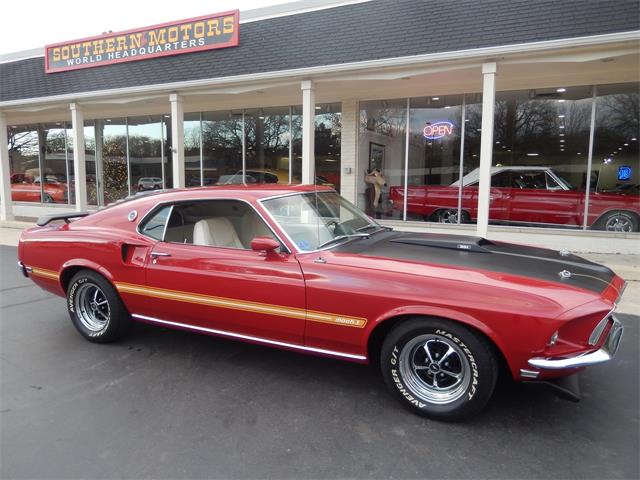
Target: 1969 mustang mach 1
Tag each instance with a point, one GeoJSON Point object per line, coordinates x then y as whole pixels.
{"type": "Point", "coordinates": [300, 268]}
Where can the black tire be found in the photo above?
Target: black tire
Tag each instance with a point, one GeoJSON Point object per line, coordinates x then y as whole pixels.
{"type": "Point", "coordinates": [95, 308]}
{"type": "Point", "coordinates": [472, 358]}
{"type": "Point", "coordinates": [618, 221]}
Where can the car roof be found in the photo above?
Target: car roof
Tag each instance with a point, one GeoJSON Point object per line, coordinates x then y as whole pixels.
{"type": "Point", "coordinates": [474, 175]}
{"type": "Point", "coordinates": [241, 192]}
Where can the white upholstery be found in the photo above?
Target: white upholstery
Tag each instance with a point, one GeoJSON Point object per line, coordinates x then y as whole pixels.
{"type": "Point", "coordinates": [251, 227]}
{"type": "Point", "coordinates": [218, 232]}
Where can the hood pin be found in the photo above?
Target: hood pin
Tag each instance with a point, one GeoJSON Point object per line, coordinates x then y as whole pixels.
{"type": "Point", "coordinates": [564, 274]}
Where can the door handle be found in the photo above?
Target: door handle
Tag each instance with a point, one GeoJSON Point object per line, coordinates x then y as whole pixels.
{"type": "Point", "coordinates": [155, 255]}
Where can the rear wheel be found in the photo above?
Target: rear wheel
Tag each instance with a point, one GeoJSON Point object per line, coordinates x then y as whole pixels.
{"type": "Point", "coordinates": [619, 221]}
{"type": "Point", "coordinates": [95, 308]}
{"type": "Point", "coordinates": [439, 369]}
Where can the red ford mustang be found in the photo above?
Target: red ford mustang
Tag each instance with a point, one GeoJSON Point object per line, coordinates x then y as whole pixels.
{"type": "Point", "coordinates": [300, 268]}
{"type": "Point", "coordinates": [523, 195]}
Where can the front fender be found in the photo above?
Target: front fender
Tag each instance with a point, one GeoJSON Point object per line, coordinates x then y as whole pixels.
{"type": "Point", "coordinates": [447, 314]}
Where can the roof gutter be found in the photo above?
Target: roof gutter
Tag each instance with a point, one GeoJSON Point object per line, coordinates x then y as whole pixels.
{"type": "Point", "coordinates": [486, 52]}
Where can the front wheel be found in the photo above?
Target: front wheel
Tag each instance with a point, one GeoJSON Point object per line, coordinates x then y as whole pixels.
{"type": "Point", "coordinates": [439, 369]}
{"type": "Point", "coordinates": [451, 216]}
{"type": "Point", "coordinates": [95, 308]}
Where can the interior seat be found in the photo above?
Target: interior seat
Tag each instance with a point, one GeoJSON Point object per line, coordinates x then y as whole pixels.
{"type": "Point", "coordinates": [252, 226]}
{"type": "Point", "coordinates": [216, 232]}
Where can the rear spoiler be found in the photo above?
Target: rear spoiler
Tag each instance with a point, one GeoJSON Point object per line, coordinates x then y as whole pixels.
{"type": "Point", "coordinates": [46, 219]}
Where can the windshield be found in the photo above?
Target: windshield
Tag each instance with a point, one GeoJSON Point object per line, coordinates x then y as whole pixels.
{"type": "Point", "coordinates": [312, 220]}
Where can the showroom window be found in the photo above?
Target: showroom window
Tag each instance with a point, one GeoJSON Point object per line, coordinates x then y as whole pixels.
{"type": "Point", "coordinates": [146, 154]}
{"type": "Point", "coordinates": [24, 164]}
{"type": "Point", "coordinates": [222, 147]}
{"type": "Point", "coordinates": [541, 146]}
{"type": "Point", "coordinates": [267, 140]}
{"type": "Point", "coordinates": [381, 148]}
{"type": "Point", "coordinates": [192, 149]}
{"type": "Point", "coordinates": [614, 196]}
{"type": "Point", "coordinates": [421, 182]}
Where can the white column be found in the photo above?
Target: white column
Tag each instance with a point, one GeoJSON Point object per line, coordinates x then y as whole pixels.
{"type": "Point", "coordinates": [349, 151]}
{"type": "Point", "coordinates": [177, 140]}
{"type": "Point", "coordinates": [79, 165]}
{"type": "Point", "coordinates": [6, 207]}
{"type": "Point", "coordinates": [308, 132]}
{"type": "Point", "coordinates": [486, 146]}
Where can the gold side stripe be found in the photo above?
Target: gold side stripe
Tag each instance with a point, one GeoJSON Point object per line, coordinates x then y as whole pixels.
{"type": "Point", "coordinates": [44, 273]}
{"type": "Point", "coordinates": [242, 305]}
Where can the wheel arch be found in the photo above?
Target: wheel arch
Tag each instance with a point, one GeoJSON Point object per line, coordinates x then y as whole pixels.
{"type": "Point", "coordinates": [387, 322]}
{"type": "Point", "coordinates": [71, 267]}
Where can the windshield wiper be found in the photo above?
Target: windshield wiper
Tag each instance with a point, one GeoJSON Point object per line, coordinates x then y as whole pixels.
{"type": "Point", "coordinates": [379, 228]}
{"type": "Point", "coordinates": [343, 237]}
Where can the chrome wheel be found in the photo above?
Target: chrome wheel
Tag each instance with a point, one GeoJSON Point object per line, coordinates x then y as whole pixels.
{"type": "Point", "coordinates": [92, 307]}
{"type": "Point", "coordinates": [618, 223]}
{"type": "Point", "coordinates": [434, 369]}
{"type": "Point", "coordinates": [448, 216]}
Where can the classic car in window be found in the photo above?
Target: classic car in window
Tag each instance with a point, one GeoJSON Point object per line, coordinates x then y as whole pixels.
{"type": "Point", "coordinates": [26, 188]}
{"type": "Point", "coordinates": [522, 195]}
{"type": "Point", "coordinates": [300, 268]}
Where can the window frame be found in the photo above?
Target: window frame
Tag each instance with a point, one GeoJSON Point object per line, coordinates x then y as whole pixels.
{"type": "Point", "coordinates": [160, 205]}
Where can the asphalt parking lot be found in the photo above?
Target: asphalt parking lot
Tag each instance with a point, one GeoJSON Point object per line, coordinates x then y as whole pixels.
{"type": "Point", "coordinates": [172, 404]}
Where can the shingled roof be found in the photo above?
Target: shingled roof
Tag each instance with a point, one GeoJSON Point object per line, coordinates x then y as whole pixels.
{"type": "Point", "coordinates": [364, 31]}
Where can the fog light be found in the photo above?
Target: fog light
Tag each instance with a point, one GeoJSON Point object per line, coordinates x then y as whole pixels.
{"type": "Point", "coordinates": [554, 338]}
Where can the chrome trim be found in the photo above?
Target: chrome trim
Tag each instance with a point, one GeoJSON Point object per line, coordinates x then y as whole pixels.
{"type": "Point", "coordinates": [175, 202]}
{"type": "Point", "coordinates": [166, 223]}
{"type": "Point", "coordinates": [248, 337]}
{"type": "Point", "coordinates": [524, 373]}
{"type": "Point", "coordinates": [604, 354]}
{"type": "Point", "coordinates": [594, 338]}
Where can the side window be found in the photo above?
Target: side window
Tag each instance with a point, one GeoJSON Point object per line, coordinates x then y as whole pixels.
{"type": "Point", "coordinates": [501, 180]}
{"type": "Point", "coordinates": [154, 227]}
{"type": "Point", "coordinates": [216, 223]}
{"type": "Point", "coordinates": [534, 180]}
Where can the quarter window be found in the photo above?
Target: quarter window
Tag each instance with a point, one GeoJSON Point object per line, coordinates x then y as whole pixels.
{"type": "Point", "coordinates": [154, 227]}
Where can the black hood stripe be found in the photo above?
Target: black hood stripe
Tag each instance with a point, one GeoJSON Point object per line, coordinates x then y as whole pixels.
{"type": "Point", "coordinates": [482, 254]}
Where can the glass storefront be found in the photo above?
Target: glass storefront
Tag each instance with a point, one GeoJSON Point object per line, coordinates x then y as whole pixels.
{"type": "Point", "coordinates": [540, 172]}
{"type": "Point", "coordinates": [269, 140]}
{"type": "Point", "coordinates": [418, 158]}
{"type": "Point", "coordinates": [192, 159]}
{"type": "Point", "coordinates": [146, 154]}
{"type": "Point", "coordinates": [222, 141]}
{"type": "Point", "coordinates": [267, 137]}
{"type": "Point", "coordinates": [615, 182]}
{"type": "Point", "coordinates": [24, 163]}
{"type": "Point", "coordinates": [381, 158]}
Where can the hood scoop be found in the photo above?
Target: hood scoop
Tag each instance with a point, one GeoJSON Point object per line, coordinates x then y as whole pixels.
{"type": "Point", "coordinates": [451, 242]}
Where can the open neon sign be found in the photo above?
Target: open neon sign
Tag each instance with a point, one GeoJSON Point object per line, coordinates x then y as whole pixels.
{"type": "Point", "coordinates": [434, 131]}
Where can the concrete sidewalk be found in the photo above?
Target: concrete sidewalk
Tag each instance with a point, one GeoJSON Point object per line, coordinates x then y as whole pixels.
{"type": "Point", "coordinates": [627, 266]}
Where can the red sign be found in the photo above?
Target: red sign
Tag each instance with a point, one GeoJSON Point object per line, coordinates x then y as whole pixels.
{"type": "Point", "coordinates": [193, 35]}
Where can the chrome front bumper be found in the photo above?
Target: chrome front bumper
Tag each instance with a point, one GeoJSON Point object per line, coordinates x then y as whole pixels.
{"type": "Point", "coordinates": [604, 354]}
